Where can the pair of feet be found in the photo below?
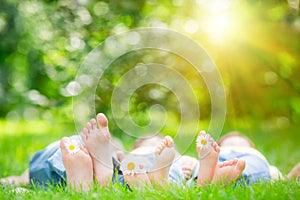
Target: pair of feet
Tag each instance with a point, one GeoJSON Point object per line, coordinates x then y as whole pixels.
{"type": "Point", "coordinates": [90, 161]}
{"type": "Point", "coordinates": [210, 171]}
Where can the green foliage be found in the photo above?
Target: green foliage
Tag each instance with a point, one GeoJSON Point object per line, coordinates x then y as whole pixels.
{"type": "Point", "coordinates": [44, 42]}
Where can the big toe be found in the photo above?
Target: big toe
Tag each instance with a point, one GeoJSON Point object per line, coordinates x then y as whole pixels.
{"type": "Point", "coordinates": [202, 133]}
{"type": "Point", "coordinates": [102, 120]}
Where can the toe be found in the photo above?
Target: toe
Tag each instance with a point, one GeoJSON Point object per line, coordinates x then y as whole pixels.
{"type": "Point", "coordinates": [83, 149]}
{"type": "Point", "coordinates": [89, 126]}
{"type": "Point", "coordinates": [241, 164]}
{"type": "Point", "coordinates": [62, 144]}
{"type": "Point", "coordinates": [216, 147]}
{"type": "Point", "coordinates": [103, 124]}
{"type": "Point", "coordinates": [102, 120]}
{"type": "Point", "coordinates": [235, 160]}
{"type": "Point", "coordinates": [158, 150]}
{"type": "Point", "coordinates": [202, 133]}
{"type": "Point", "coordinates": [93, 123]}
{"type": "Point", "coordinates": [221, 164]}
{"type": "Point", "coordinates": [169, 141]}
{"type": "Point", "coordinates": [84, 134]}
{"type": "Point", "coordinates": [225, 163]}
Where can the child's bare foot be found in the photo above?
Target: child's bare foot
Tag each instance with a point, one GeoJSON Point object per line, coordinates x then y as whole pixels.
{"type": "Point", "coordinates": [165, 154]}
{"type": "Point", "coordinates": [188, 165]}
{"type": "Point", "coordinates": [16, 180]}
{"type": "Point", "coordinates": [208, 153]}
{"type": "Point", "coordinates": [229, 171]}
{"type": "Point", "coordinates": [159, 172]}
{"type": "Point", "coordinates": [78, 164]}
{"type": "Point", "coordinates": [137, 180]}
{"type": "Point", "coordinates": [96, 137]}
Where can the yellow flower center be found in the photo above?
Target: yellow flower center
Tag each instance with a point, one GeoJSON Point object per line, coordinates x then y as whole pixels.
{"type": "Point", "coordinates": [71, 147]}
{"type": "Point", "coordinates": [130, 166]}
{"type": "Point", "coordinates": [203, 142]}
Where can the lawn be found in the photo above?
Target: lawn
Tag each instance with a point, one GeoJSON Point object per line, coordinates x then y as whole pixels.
{"type": "Point", "coordinates": [19, 140]}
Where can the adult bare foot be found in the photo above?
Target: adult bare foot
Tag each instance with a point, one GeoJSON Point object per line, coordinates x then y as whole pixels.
{"type": "Point", "coordinates": [165, 154]}
{"type": "Point", "coordinates": [78, 164]}
{"type": "Point", "coordinates": [208, 153]}
{"type": "Point", "coordinates": [229, 171]}
{"type": "Point", "coordinates": [16, 180]}
{"type": "Point", "coordinates": [96, 138]}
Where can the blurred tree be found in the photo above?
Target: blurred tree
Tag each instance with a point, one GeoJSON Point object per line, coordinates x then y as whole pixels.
{"type": "Point", "coordinates": [44, 42]}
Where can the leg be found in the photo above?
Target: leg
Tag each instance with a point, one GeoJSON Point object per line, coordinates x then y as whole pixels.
{"type": "Point", "coordinates": [208, 153]}
{"type": "Point", "coordinates": [79, 166]}
{"type": "Point", "coordinates": [17, 180]}
{"type": "Point", "coordinates": [229, 171]}
{"type": "Point", "coordinates": [96, 137]}
{"type": "Point", "coordinates": [295, 172]}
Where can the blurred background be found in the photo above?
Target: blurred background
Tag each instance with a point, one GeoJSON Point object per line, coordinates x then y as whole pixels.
{"type": "Point", "coordinates": [254, 43]}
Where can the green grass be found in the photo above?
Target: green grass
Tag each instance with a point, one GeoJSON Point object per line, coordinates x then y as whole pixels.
{"type": "Point", "coordinates": [19, 140]}
{"type": "Point", "coordinates": [276, 190]}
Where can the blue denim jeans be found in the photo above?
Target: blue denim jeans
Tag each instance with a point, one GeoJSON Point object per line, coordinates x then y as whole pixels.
{"type": "Point", "coordinates": [46, 166]}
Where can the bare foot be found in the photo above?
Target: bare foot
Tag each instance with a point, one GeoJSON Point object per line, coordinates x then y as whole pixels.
{"type": "Point", "coordinates": [135, 167]}
{"type": "Point", "coordinates": [229, 171]}
{"type": "Point", "coordinates": [78, 164]}
{"type": "Point", "coordinates": [158, 173]}
{"type": "Point", "coordinates": [97, 141]}
{"type": "Point", "coordinates": [165, 154]}
{"type": "Point", "coordinates": [137, 180]}
{"type": "Point", "coordinates": [188, 165]}
{"type": "Point", "coordinates": [295, 172]}
{"type": "Point", "coordinates": [208, 153]}
{"type": "Point", "coordinates": [16, 180]}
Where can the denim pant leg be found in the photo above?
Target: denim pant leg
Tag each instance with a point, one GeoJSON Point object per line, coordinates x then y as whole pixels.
{"type": "Point", "coordinates": [40, 172]}
{"type": "Point", "coordinates": [46, 166]}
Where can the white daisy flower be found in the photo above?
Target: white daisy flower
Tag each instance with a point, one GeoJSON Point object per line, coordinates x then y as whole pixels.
{"type": "Point", "coordinates": [134, 164]}
{"type": "Point", "coordinates": [72, 146]}
{"type": "Point", "coordinates": [202, 142]}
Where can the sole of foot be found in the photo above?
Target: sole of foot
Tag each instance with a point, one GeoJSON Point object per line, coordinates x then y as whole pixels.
{"type": "Point", "coordinates": [96, 138]}
{"type": "Point", "coordinates": [165, 154]}
{"type": "Point", "coordinates": [78, 164]}
{"type": "Point", "coordinates": [208, 153]}
{"type": "Point", "coordinates": [229, 171]}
